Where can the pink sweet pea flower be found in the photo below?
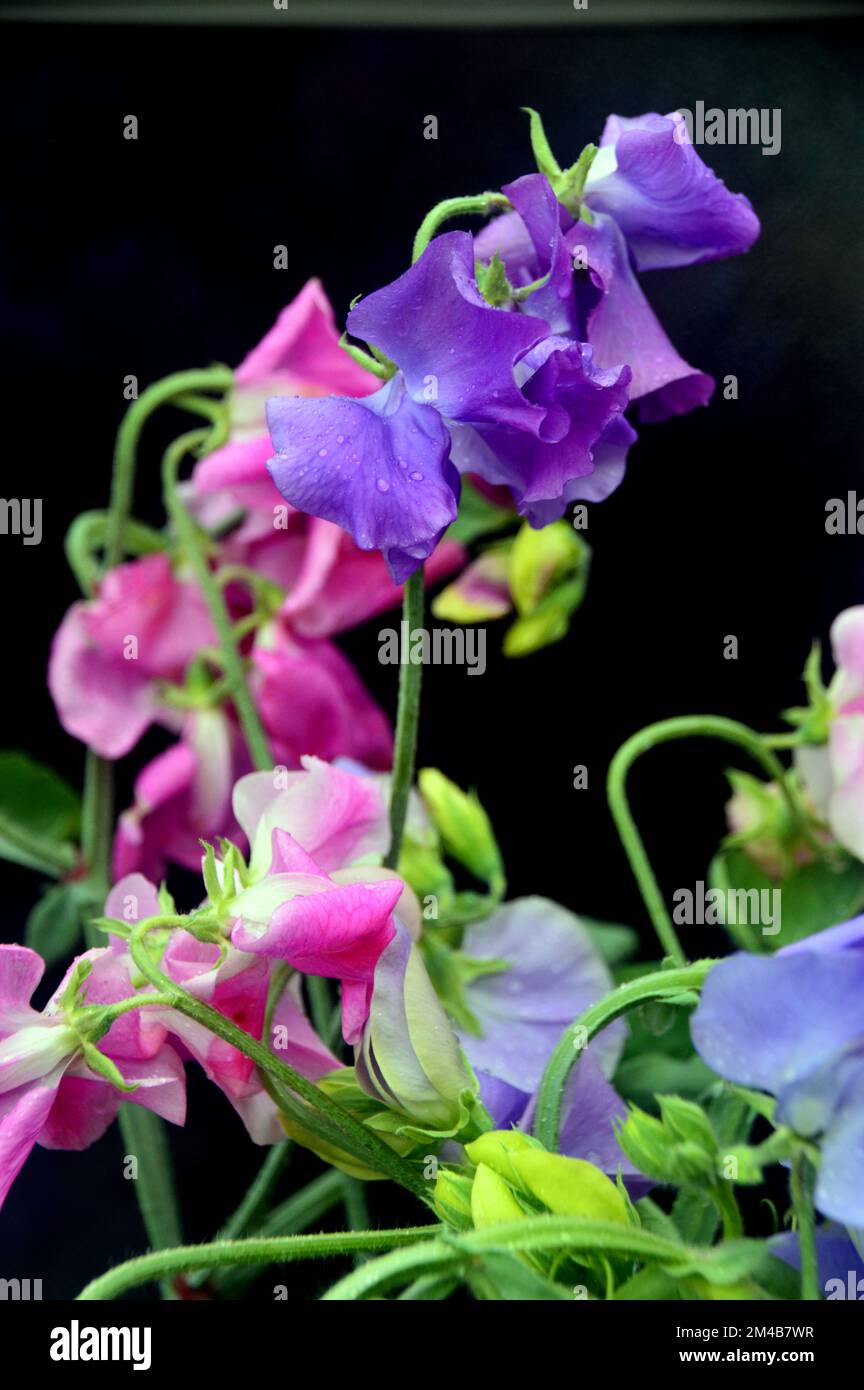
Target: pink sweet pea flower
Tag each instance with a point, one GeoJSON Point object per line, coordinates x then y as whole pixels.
{"type": "Point", "coordinates": [237, 988]}
{"type": "Point", "coordinates": [236, 985]}
{"type": "Point", "coordinates": [110, 652]}
{"type": "Point", "coordinates": [337, 817]}
{"type": "Point", "coordinates": [835, 776]}
{"type": "Point", "coordinates": [181, 797]}
{"type": "Point", "coordinates": [300, 914]}
{"type": "Point", "coordinates": [312, 701]}
{"type": "Point", "coordinates": [48, 1094]}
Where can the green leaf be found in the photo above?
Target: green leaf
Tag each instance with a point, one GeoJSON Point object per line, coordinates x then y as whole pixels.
{"type": "Point", "coordinates": [812, 897]}
{"type": "Point", "coordinates": [505, 1277]}
{"type": "Point", "coordinates": [54, 925]}
{"type": "Point", "coordinates": [478, 517]}
{"type": "Point", "coordinates": [39, 815]}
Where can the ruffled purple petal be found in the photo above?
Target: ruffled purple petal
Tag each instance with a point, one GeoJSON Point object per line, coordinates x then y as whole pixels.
{"type": "Point", "coordinates": [565, 380]}
{"type": "Point", "coordinates": [379, 468]}
{"type": "Point", "coordinates": [451, 346]}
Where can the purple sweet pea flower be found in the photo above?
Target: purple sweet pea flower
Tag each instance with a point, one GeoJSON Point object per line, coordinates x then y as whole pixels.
{"type": "Point", "coordinates": [523, 408]}
{"type": "Point", "coordinates": [793, 1025]}
{"type": "Point", "coordinates": [671, 207]}
{"type": "Point", "coordinates": [555, 973]}
{"type": "Point", "coordinates": [653, 203]}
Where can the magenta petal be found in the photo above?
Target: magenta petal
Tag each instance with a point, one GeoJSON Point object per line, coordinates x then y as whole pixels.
{"type": "Point", "coordinates": [336, 816]}
{"type": "Point", "coordinates": [339, 931]}
{"type": "Point", "coordinates": [132, 899]}
{"type": "Point", "coordinates": [23, 1113]}
{"type": "Point", "coordinates": [312, 701]}
{"type": "Point", "coordinates": [20, 972]}
{"type": "Point", "coordinates": [356, 1003]}
{"type": "Point", "coordinates": [105, 702]}
{"type": "Point", "coordinates": [295, 1041]}
{"type": "Point", "coordinates": [83, 1109]}
{"type": "Point", "coordinates": [303, 344]}
{"type": "Point", "coordinates": [167, 617]}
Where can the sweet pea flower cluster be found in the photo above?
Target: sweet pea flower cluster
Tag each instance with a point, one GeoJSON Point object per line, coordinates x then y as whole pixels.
{"type": "Point", "coordinates": [313, 900]}
{"type": "Point", "coordinates": [570, 1106]}
{"type": "Point", "coordinates": [512, 355]}
{"type": "Point", "coordinates": [136, 654]}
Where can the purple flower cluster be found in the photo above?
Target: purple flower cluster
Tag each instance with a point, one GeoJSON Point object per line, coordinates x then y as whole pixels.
{"type": "Point", "coordinates": [525, 387]}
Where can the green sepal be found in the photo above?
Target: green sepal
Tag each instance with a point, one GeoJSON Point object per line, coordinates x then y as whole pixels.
{"type": "Point", "coordinates": [103, 1066]}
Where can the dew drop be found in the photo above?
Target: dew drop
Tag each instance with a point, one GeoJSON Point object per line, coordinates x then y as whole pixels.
{"type": "Point", "coordinates": [322, 453]}
{"type": "Point", "coordinates": [416, 477]}
{"type": "Point", "coordinates": [383, 485]}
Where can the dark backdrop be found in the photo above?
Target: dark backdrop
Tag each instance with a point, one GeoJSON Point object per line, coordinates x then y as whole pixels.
{"type": "Point", "coordinates": [145, 257]}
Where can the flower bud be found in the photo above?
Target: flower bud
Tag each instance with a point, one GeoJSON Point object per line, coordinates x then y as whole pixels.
{"type": "Point", "coordinates": [463, 825]}
{"type": "Point", "coordinates": [409, 1056]}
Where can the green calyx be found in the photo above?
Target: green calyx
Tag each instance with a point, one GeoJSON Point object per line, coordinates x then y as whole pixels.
{"type": "Point", "coordinates": [495, 287]}
{"type": "Point", "coordinates": [567, 184]}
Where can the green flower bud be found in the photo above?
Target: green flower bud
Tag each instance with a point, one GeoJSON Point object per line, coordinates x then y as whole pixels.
{"type": "Point", "coordinates": [453, 1198]}
{"type": "Point", "coordinates": [569, 1186]}
{"type": "Point", "coordinates": [464, 827]}
{"type": "Point", "coordinates": [647, 1144]}
{"type": "Point", "coordinates": [687, 1122]}
{"type": "Point", "coordinates": [410, 1057]}
{"type": "Point", "coordinates": [493, 1199]}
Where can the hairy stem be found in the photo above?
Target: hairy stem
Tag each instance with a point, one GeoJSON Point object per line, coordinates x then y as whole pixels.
{"type": "Point", "coordinates": [256, 1251]}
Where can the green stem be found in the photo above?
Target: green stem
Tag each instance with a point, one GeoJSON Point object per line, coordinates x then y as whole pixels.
{"type": "Point", "coordinates": [480, 203]}
{"type": "Point", "coordinates": [730, 1212]}
{"type": "Point", "coordinates": [801, 1186]}
{"type": "Point", "coordinates": [362, 1140]}
{"type": "Point", "coordinates": [87, 534]}
{"type": "Point", "coordinates": [356, 1208]}
{"type": "Point", "coordinates": [661, 984]}
{"type": "Point", "coordinates": [687, 726]}
{"type": "Point", "coordinates": [407, 717]}
{"type": "Point", "coordinates": [129, 433]}
{"type": "Point", "coordinates": [187, 530]}
{"type": "Point", "coordinates": [296, 1213]}
{"type": "Point", "coordinates": [261, 1251]}
{"type": "Point", "coordinates": [145, 1139]}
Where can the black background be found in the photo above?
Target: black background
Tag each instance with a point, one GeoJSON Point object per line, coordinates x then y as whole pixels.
{"type": "Point", "coordinates": [150, 256]}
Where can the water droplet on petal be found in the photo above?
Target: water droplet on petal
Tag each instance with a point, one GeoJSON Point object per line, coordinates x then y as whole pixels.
{"type": "Point", "coordinates": [416, 477]}
{"type": "Point", "coordinates": [383, 485]}
{"type": "Point", "coordinates": [322, 453]}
